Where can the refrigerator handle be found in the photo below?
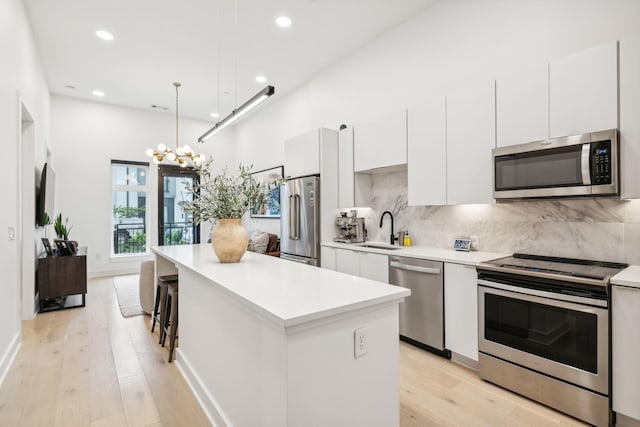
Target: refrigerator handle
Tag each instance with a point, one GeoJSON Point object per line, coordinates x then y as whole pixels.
{"type": "Point", "coordinates": [291, 217]}
{"type": "Point", "coordinates": [296, 199]}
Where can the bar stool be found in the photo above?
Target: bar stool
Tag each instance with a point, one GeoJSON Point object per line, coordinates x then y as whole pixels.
{"type": "Point", "coordinates": [171, 318]}
{"type": "Point", "coordinates": [160, 302]}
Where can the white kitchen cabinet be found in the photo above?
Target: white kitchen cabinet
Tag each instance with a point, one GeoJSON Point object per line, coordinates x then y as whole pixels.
{"type": "Point", "coordinates": [471, 136]}
{"type": "Point", "coordinates": [302, 155]}
{"type": "Point", "coordinates": [328, 258]}
{"type": "Point", "coordinates": [625, 312]}
{"type": "Point", "coordinates": [583, 91]}
{"type": "Point", "coordinates": [374, 267]}
{"type": "Point", "coordinates": [461, 310]}
{"type": "Point", "coordinates": [522, 106]}
{"type": "Point", "coordinates": [354, 189]}
{"type": "Point", "coordinates": [348, 262]}
{"type": "Point", "coordinates": [381, 143]}
{"type": "Point", "coordinates": [346, 188]}
{"type": "Point", "coordinates": [313, 153]}
{"type": "Point", "coordinates": [629, 114]}
{"type": "Point", "coordinates": [363, 264]}
{"type": "Point", "coordinates": [427, 154]}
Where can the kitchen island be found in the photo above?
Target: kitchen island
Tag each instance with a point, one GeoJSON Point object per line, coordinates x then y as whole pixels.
{"type": "Point", "coordinates": [270, 342]}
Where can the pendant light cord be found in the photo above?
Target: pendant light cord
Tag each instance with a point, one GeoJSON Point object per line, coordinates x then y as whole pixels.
{"type": "Point", "coordinates": [235, 71]}
{"type": "Point", "coordinates": [177, 85]}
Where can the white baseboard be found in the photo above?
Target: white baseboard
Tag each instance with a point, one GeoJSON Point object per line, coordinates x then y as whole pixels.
{"type": "Point", "coordinates": [9, 356]}
{"type": "Point", "coordinates": [113, 272]}
{"type": "Point", "coordinates": [207, 402]}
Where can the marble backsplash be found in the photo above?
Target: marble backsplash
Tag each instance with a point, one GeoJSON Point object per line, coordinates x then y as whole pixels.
{"type": "Point", "coordinates": [600, 229]}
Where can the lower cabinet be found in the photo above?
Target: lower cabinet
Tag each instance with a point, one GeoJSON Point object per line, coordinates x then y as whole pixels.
{"type": "Point", "coordinates": [328, 258]}
{"type": "Point", "coordinates": [363, 264]}
{"type": "Point", "coordinates": [625, 313]}
{"type": "Point", "coordinates": [461, 310]}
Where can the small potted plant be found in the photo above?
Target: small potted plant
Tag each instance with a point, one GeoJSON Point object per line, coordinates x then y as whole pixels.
{"type": "Point", "coordinates": [225, 199]}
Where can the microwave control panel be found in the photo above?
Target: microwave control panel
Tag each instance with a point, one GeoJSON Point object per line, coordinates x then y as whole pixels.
{"type": "Point", "coordinates": [601, 162]}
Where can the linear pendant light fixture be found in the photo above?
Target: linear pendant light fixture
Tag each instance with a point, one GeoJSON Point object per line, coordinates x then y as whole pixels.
{"type": "Point", "coordinates": [239, 112]}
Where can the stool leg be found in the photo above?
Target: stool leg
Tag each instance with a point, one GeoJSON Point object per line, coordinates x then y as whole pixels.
{"type": "Point", "coordinates": [173, 331]}
{"type": "Point", "coordinates": [163, 313]}
{"type": "Point", "coordinates": [156, 305]}
{"type": "Point", "coordinates": [167, 318]}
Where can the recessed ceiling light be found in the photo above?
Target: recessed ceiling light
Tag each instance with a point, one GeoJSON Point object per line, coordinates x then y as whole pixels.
{"type": "Point", "coordinates": [215, 115]}
{"type": "Point", "coordinates": [283, 21]}
{"type": "Point", "coordinates": [261, 79]}
{"type": "Point", "coordinates": [104, 35]}
{"type": "Point", "coordinates": [70, 87]}
{"type": "Point", "coordinates": [98, 93]}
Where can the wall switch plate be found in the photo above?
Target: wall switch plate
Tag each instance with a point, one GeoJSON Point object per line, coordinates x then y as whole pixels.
{"type": "Point", "coordinates": [360, 342]}
{"type": "Point", "coordinates": [12, 233]}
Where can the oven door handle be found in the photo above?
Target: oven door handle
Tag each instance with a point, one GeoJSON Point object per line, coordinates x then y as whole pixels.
{"type": "Point", "coordinates": [544, 294]}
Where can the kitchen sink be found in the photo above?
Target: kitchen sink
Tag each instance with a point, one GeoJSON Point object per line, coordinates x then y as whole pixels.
{"type": "Point", "coordinates": [379, 246]}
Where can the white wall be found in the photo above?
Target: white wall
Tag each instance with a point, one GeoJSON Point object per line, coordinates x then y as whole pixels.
{"type": "Point", "coordinates": [444, 47]}
{"type": "Point", "coordinates": [85, 137]}
{"type": "Point", "coordinates": [21, 83]}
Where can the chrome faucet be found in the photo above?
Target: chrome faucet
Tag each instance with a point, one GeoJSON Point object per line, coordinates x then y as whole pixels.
{"type": "Point", "coordinates": [393, 238]}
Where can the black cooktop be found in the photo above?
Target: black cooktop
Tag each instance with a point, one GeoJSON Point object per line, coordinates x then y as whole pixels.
{"type": "Point", "coordinates": [555, 266]}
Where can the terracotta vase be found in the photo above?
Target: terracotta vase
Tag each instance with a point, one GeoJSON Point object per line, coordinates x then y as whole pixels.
{"type": "Point", "coordinates": [229, 240]}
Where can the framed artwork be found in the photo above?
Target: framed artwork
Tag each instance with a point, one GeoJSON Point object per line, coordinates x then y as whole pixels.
{"type": "Point", "coordinates": [270, 208]}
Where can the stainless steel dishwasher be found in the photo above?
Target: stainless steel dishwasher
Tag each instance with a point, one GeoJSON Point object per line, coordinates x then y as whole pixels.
{"type": "Point", "coordinates": [422, 313]}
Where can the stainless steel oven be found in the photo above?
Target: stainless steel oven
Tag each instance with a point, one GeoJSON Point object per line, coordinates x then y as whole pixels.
{"type": "Point", "coordinates": [543, 331]}
{"type": "Point", "coordinates": [578, 165]}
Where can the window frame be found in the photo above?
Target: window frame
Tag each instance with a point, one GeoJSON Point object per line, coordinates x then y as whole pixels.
{"type": "Point", "coordinates": [131, 188]}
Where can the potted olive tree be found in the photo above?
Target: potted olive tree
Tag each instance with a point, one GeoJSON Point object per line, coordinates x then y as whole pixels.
{"type": "Point", "coordinates": [224, 199]}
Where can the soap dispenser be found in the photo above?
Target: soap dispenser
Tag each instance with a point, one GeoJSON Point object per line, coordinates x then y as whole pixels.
{"type": "Point", "coordinates": [407, 239]}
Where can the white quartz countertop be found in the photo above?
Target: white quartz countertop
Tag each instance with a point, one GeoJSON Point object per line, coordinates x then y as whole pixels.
{"type": "Point", "coordinates": [424, 252]}
{"type": "Point", "coordinates": [287, 292]}
{"type": "Point", "coordinates": [630, 277]}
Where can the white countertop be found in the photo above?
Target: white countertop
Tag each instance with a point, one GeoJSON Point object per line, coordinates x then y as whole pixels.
{"type": "Point", "coordinates": [630, 277]}
{"type": "Point", "coordinates": [287, 292]}
{"type": "Point", "coordinates": [424, 252]}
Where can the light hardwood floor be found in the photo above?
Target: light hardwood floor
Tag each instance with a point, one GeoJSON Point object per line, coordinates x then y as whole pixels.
{"type": "Point", "coordinates": [92, 367]}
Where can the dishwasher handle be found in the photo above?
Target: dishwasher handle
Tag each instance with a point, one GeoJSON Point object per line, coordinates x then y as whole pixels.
{"type": "Point", "coordinates": [416, 268]}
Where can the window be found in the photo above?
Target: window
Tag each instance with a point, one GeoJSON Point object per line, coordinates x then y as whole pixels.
{"type": "Point", "coordinates": [130, 220]}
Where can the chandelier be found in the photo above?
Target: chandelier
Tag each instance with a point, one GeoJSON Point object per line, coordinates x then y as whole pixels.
{"type": "Point", "coordinates": [182, 155]}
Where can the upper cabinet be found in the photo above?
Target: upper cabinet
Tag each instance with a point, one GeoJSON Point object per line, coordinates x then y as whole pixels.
{"type": "Point", "coordinates": [381, 143]}
{"type": "Point", "coordinates": [316, 153]}
{"type": "Point", "coordinates": [522, 106]}
{"type": "Point", "coordinates": [427, 154]}
{"type": "Point", "coordinates": [471, 136]}
{"type": "Point", "coordinates": [629, 116]}
{"type": "Point", "coordinates": [302, 155]}
{"type": "Point", "coordinates": [346, 189]}
{"type": "Point", "coordinates": [583, 91]}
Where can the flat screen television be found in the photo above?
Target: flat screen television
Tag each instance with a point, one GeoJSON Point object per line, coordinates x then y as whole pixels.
{"type": "Point", "coordinates": [44, 201]}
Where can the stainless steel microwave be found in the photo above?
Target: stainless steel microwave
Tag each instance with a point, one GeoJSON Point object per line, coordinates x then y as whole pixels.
{"type": "Point", "coordinates": [578, 165]}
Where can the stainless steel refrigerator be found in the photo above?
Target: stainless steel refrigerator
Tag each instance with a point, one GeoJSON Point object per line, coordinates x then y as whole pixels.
{"type": "Point", "coordinates": [300, 220]}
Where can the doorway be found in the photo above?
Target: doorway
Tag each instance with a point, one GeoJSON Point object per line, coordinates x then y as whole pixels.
{"type": "Point", "coordinates": [175, 226]}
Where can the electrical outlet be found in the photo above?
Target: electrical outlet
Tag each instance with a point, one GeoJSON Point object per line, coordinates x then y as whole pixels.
{"type": "Point", "coordinates": [360, 342]}
{"type": "Point", "coordinates": [475, 242]}
{"type": "Point", "coordinates": [12, 233]}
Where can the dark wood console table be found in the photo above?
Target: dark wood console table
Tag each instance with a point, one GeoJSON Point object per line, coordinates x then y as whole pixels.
{"type": "Point", "coordinates": [62, 281]}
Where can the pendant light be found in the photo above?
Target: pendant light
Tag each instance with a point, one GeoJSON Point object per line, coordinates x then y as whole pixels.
{"type": "Point", "coordinates": [253, 102]}
{"type": "Point", "coordinates": [182, 155]}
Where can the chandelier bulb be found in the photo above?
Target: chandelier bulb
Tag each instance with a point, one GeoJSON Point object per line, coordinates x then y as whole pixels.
{"type": "Point", "coordinates": [162, 147]}
{"type": "Point", "coordinates": [150, 152]}
{"type": "Point", "coordinates": [180, 151]}
{"type": "Point", "coordinates": [171, 156]}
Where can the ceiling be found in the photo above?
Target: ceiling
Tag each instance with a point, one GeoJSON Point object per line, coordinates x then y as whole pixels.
{"type": "Point", "coordinates": [203, 44]}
